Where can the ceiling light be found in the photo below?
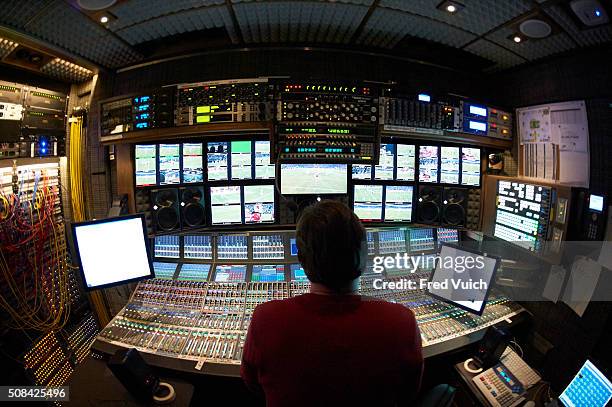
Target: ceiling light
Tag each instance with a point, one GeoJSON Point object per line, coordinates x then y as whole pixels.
{"type": "Point", "coordinates": [517, 39]}
{"type": "Point", "coordinates": [104, 19]}
{"type": "Point", "coordinates": [450, 6]}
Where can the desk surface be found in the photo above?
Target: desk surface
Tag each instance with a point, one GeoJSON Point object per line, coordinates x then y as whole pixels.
{"type": "Point", "coordinates": [93, 384]}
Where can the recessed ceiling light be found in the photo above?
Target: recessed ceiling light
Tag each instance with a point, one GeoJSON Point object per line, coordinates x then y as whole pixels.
{"type": "Point", "coordinates": [450, 6]}
{"type": "Point", "coordinates": [517, 39]}
{"type": "Point", "coordinates": [104, 19]}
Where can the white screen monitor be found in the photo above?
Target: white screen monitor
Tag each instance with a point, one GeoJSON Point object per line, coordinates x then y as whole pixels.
{"type": "Point", "coordinates": [313, 179]}
{"type": "Point", "coordinates": [463, 278]}
{"type": "Point", "coordinates": [112, 251]}
{"type": "Point", "coordinates": [588, 388]}
{"type": "Point", "coordinates": [596, 203]}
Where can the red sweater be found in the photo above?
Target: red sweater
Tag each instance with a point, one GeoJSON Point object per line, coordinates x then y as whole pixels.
{"type": "Point", "coordinates": [324, 350]}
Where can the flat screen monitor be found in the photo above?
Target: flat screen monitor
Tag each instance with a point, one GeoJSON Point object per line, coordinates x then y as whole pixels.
{"type": "Point", "coordinates": [268, 247]}
{"type": "Point", "coordinates": [463, 278]}
{"type": "Point", "coordinates": [230, 273]}
{"type": "Point", "coordinates": [145, 166]}
{"type": "Point", "coordinates": [405, 162]}
{"type": "Point", "coordinates": [263, 168]}
{"type": "Point", "coordinates": [225, 205]}
{"type": "Point", "coordinates": [268, 273]}
{"type": "Point", "coordinates": [169, 166]}
{"type": "Point", "coordinates": [164, 271]}
{"type": "Point", "coordinates": [470, 166]}
{"type": "Point", "coordinates": [313, 179]}
{"type": "Point", "coordinates": [259, 203]}
{"type": "Point", "coordinates": [241, 159]}
{"type": "Point", "coordinates": [428, 164]}
{"type": "Point", "coordinates": [232, 247]}
{"type": "Point", "coordinates": [449, 165]}
{"type": "Point", "coordinates": [217, 161]}
{"type": "Point", "coordinates": [368, 202]}
{"type": "Point", "coordinates": [298, 274]}
{"type": "Point", "coordinates": [398, 203]}
{"type": "Point", "coordinates": [293, 246]}
{"type": "Point", "coordinates": [193, 166]}
{"type": "Point", "coordinates": [384, 169]}
{"type": "Point", "coordinates": [361, 171]}
{"type": "Point", "coordinates": [112, 251]}
{"type": "Point", "coordinates": [194, 272]}
{"type": "Point", "coordinates": [588, 388]}
{"type": "Point", "coordinates": [596, 203]}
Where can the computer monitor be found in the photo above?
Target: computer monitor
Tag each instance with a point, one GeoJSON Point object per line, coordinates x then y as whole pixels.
{"type": "Point", "coordinates": [169, 167]}
{"type": "Point", "coordinates": [463, 278]}
{"type": "Point", "coordinates": [259, 203]}
{"type": "Point", "coordinates": [384, 169]}
{"type": "Point", "coordinates": [217, 161]}
{"type": "Point", "coordinates": [313, 179]}
{"type": "Point", "coordinates": [268, 273]}
{"type": "Point", "coordinates": [112, 251]}
{"type": "Point", "coordinates": [588, 388]}
{"type": "Point", "coordinates": [449, 165]}
{"type": "Point", "coordinates": [241, 159]}
{"type": "Point", "coordinates": [470, 166]}
{"type": "Point", "coordinates": [145, 167]}
{"type": "Point", "coordinates": [405, 165]}
{"type": "Point", "coordinates": [361, 171]}
{"type": "Point", "coordinates": [428, 164]}
{"type": "Point", "coordinates": [398, 203]}
{"type": "Point", "coordinates": [298, 274]}
{"type": "Point", "coordinates": [368, 202]}
{"type": "Point", "coordinates": [225, 205]}
{"type": "Point", "coordinates": [193, 167]}
{"type": "Point", "coordinates": [596, 203]}
{"type": "Point", "coordinates": [263, 168]}
{"type": "Point", "coordinates": [230, 273]}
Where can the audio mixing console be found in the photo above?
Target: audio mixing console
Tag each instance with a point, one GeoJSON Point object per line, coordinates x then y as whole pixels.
{"type": "Point", "coordinates": [195, 319]}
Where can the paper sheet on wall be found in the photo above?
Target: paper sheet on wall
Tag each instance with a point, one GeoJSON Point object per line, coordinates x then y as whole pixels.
{"type": "Point", "coordinates": [552, 289]}
{"type": "Point", "coordinates": [572, 137]}
{"type": "Point", "coordinates": [581, 285]}
{"type": "Point", "coordinates": [535, 125]}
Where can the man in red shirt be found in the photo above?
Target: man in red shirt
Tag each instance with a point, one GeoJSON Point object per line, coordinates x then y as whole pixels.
{"type": "Point", "coordinates": [333, 347]}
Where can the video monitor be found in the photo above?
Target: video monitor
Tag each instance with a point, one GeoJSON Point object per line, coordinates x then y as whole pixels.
{"type": "Point", "coordinates": [449, 165]}
{"type": "Point", "coordinates": [241, 159]}
{"type": "Point", "coordinates": [293, 246]}
{"type": "Point", "coordinates": [232, 247]}
{"type": "Point", "coordinates": [194, 272]}
{"type": "Point", "coordinates": [470, 166]}
{"type": "Point", "coordinates": [384, 169]}
{"type": "Point", "coordinates": [590, 387]}
{"type": "Point", "coordinates": [405, 162]}
{"type": "Point", "coordinates": [125, 237]}
{"type": "Point", "coordinates": [398, 203]}
{"type": "Point", "coordinates": [259, 203]}
{"type": "Point", "coordinates": [167, 246]}
{"type": "Point", "coordinates": [164, 271]}
{"type": "Point", "coordinates": [421, 240]}
{"type": "Point", "coordinates": [361, 171]}
{"type": "Point", "coordinates": [225, 205]}
{"type": "Point", "coordinates": [193, 166]}
{"type": "Point", "coordinates": [169, 166]}
{"type": "Point", "coordinates": [264, 169]}
{"type": "Point", "coordinates": [268, 273]}
{"type": "Point", "coordinates": [463, 278]}
{"type": "Point", "coordinates": [447, 235]}
{"type": "Point", "coordinates": [146, 165]}
{"type": "Point", "coordinates": [298, 274]}
{"type": "Point", "coordinates": [596, 203]}
{"type": "Point", "coordinates": [268, 247]}
{"type": "Point", "coordinates": [367, 202]}
{"type": "Point", "coordinates": [197, 247]}
{"type": "Point", "coordinates": [313, 179]}
{"type": "Point", "coordinates": [428, 164]}
{"type": "Point", "coordinates": [217, 161]}
{"type": "Point", "coordinates": [230, 273]}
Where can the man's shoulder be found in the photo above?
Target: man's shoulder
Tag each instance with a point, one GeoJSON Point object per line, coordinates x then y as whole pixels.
{"type": "Point", "coordinates": [387, 307]}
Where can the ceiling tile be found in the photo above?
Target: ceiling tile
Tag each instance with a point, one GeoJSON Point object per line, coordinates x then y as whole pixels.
{"type": "Point", "coordinates": [486, 49]}
{"type": "Point", "coordinates": [386, 27]}
{"type": "Point", "coordinates": [16, 13]}
{"type": "Point", "coordinates": [532, 49]}
{"type": "Point", "coordinates": [586, 37]}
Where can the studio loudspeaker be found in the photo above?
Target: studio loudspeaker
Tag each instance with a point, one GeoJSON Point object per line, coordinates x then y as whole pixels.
{"type": "Point", "coordinates": [454, 206]}
{"type": "Point", "coordinates": [165, 205]}
{"type": "Point", "coordinates": [193, 213]}
{"type": "Point", "coordinates": [429, 204]}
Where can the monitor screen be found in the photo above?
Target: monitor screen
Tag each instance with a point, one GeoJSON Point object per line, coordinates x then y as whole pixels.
{"type": "Point", "coordinates": [293, 246]}
{"type": "Point", "coordinates": [232, 247]}
{"type": "Point", "coordinates": [197, 247]}
{"type": "Point", "coordinates": [194, 272]}
{"type": "Point", "coordinates": [193, 167]}
{"type": "Point", "coordinates": [263, 168]}
{"type": "Point", "coordinates": [145, 167]}
{"type": "Point", "coordinates": [169, 169]}
{"type": "Point", "coordinates": [449, 165]}
{"type": "Point", "coordinates": [361, 171]}
{"type": "Point", "coordinates": [268, 273]}
{"type": "Point", "coordinates": [259, 203]}
{"type": "Point", "coordinates": [268, 247]}
{"type": "Point", "coordinates": [398, 203]}
{"type": "Point", "coordinates": [298, 274]}
{"type": "Point", "coordinates": [448, 235]}
{"type": "Point", "coordinates": [428, 164]}
{"type": "Point", "coordinates": [241, 159]}
{"type": "Point", "coordinates": [235, 273]}
{"type": "Point", "coordinates": [596, 203]}
{"type": "Point", "coordinates": [164, 271]}
{"type": "Point", "coordinates": [470, 166]}
{"type": "Point", "coordinates": [367, 202]}
{"type": "Point", "coordinates": [384, 169]}
{"type": "Point", "coordinates": [475, 110]}
{"type": "Point", "coordinates": [589, 387]}
{"type": "Point", "coordinates": [304, 179]}
{"type": "Point", "coordinates": [167, 246]}
{"type": "Point", "coordinates": [124, 237]}
{"type": "Point", "coordinates": [405, 162]}
{"type": "Point", "coordinates": [225, 205]}
{"type": "Point", "coordinates": [463, 278]}
{"type": "Point", "coordinates": [421, 240]}
{"type": "Point", "coordinates": [217, 161]}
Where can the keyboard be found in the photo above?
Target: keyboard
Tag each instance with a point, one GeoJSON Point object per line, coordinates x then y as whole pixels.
{"type": "Point", "coordinates": [504, 384]}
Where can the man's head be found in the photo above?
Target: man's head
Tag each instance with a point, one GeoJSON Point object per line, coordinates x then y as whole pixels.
{"type": "Point", "coordinates": [331, 244]}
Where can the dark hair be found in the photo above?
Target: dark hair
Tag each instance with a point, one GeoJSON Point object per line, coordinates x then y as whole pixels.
{"type": "Point", "coordinates": [331, 244]}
